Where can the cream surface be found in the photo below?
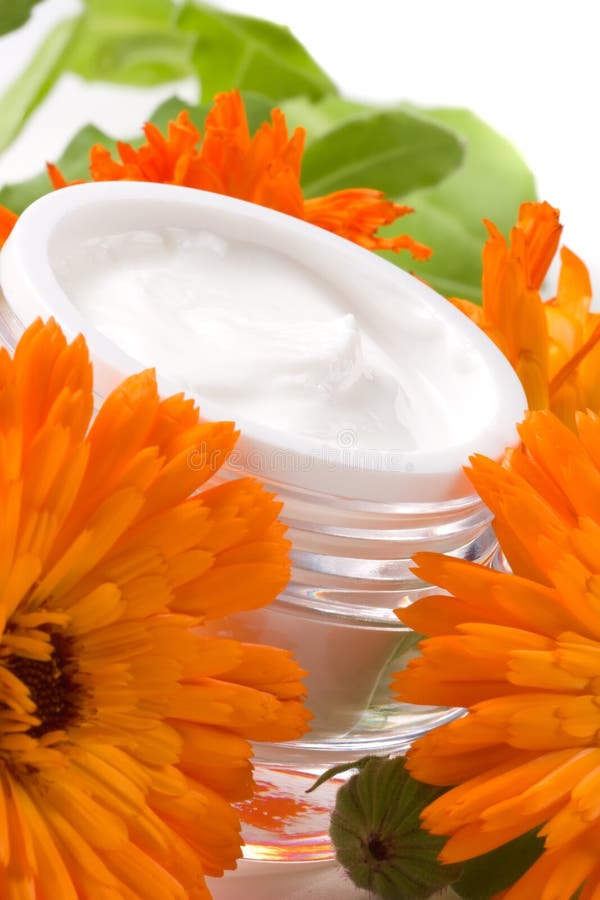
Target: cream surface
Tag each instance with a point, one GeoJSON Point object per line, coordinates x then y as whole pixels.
{"type": "Point", "coordinates": [258, 334]}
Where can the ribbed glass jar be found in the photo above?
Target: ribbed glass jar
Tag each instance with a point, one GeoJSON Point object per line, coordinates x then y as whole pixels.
{"type": "Point", "coordinates": [351, 569]}
{"type": "Point", "coordinates": [355, 517]}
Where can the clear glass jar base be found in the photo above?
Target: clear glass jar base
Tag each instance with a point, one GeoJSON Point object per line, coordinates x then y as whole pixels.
{"type": "Point", "coordinates": [282, 822]}
{"type": "Point", "coordinates": [382, 729]}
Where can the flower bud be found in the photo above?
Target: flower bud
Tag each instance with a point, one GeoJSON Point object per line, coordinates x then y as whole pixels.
{"type": "Point", "coordinates": [377, 834]}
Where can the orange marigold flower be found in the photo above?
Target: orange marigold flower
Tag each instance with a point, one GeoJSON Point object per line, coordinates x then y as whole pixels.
{"type": "Point", "coordinates": [7, 221]}
{"type": "Point", "coordinates": [521, 651]}
{"type": "Point", "coordinates": [357, 214]}
{"type": "Point", "coordinates": [574, 348]}
{"type": "Point", "coordinates": [553, 345]}
{"type": "Point", "coordinates": [264, 169]}
{"type": "Point", "coordinates": [124, 724]}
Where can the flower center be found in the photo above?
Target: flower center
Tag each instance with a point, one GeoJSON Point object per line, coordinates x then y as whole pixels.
{"type": "Point", "coordinates": [378, 848]}
{"type": "Point", "coordinates": [52, 686]}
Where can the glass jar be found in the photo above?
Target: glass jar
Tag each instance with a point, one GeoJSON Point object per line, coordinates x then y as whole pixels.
{"type": "Point", "coordinates": [351, 568]}
{"type": "Point", "coordinates": [355, 518]}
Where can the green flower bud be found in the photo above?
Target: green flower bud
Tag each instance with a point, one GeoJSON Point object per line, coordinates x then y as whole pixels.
{"type": "Point", "coordinates": [376, 831]}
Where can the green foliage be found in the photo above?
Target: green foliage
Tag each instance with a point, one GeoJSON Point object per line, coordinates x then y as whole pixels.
{"type": "Point", "coordinates": [453, 168]}
{"type": "Point", "coordinates": [474, 173]}
{"type": "Point", "coordinates": [487, 875]}
{"type": "Point", "coordinates": [130, 42]}
{"type": "Point", "coordinates": [73, 163]}
{"type": "Point", "coordinates": [33, 84]}
{"type": "Point", "coordinates": [14, 13]}
{"type": "Point", "coordinates": [235, 51]}
{"type": "Point", "coordinates": [394, 152]}
{"type": "Point", "coordinates": [122, 41]}
{"type": "Point", "coordinates": [320, 117]}
{"type": "Point", "coordinates": [491, 184]}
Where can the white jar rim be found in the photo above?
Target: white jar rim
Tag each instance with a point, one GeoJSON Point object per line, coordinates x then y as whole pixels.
{"type": "Point", "coordinates": [31, 289]}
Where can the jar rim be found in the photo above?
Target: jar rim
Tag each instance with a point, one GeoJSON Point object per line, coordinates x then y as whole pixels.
{"type": "Point", "coordinates": [374, 476]}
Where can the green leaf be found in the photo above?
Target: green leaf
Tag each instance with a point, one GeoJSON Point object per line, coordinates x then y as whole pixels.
{"type": "Point", "coordinates": [20, 195]}
{"type": "Point", "coordinates": [497, 870]}
{"type": "Point", "coordinates": [258, 109]}
{"type": "Point", "coordinates": [122, 41]}
{"type": "Point", "coordinates": [169, 109]}
{"type": "Point", "coordinates": [73, 163]}
{"type": "Point", "coordinates": [14, 13]}
{"type": "Point", "coordinates": [130, 42]}
{"type": "Point", "coordinates": [156, 12]}
{"type": "Point", "coordinates": [492, 184]}
{"type": "Point", "coordinates": [319, 118]}
{"type": "Point", "coordinates": [394, 152]}
{"type": "Point", "coordinates": [234, 51]}
{"type": "Point", "coordinates": [35, 81]}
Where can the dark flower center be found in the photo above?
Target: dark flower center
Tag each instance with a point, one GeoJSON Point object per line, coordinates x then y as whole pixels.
{"type": "Point", "coordinates": [52, 686]}
{"type": "Point", "coordinates": [377, 848]}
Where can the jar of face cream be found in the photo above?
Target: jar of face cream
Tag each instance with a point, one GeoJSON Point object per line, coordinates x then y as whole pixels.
{"type": "Point", "coordinates": [360, 394]}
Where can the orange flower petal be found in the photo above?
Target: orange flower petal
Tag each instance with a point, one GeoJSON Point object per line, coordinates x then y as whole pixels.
{"type": "Point", "coordinates": [358, 214]}
{"type": "Point", "coordinates": [7, 223]}
{"type": "Point", "coordinates": [542, 229]}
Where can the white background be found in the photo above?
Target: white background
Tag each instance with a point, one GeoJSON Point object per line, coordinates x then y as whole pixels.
{"type": "Point", "coordinates": [530, 68]}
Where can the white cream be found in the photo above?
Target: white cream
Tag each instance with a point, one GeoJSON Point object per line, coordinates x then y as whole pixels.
{"type": "Point", "coordinates": [271, 342]}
